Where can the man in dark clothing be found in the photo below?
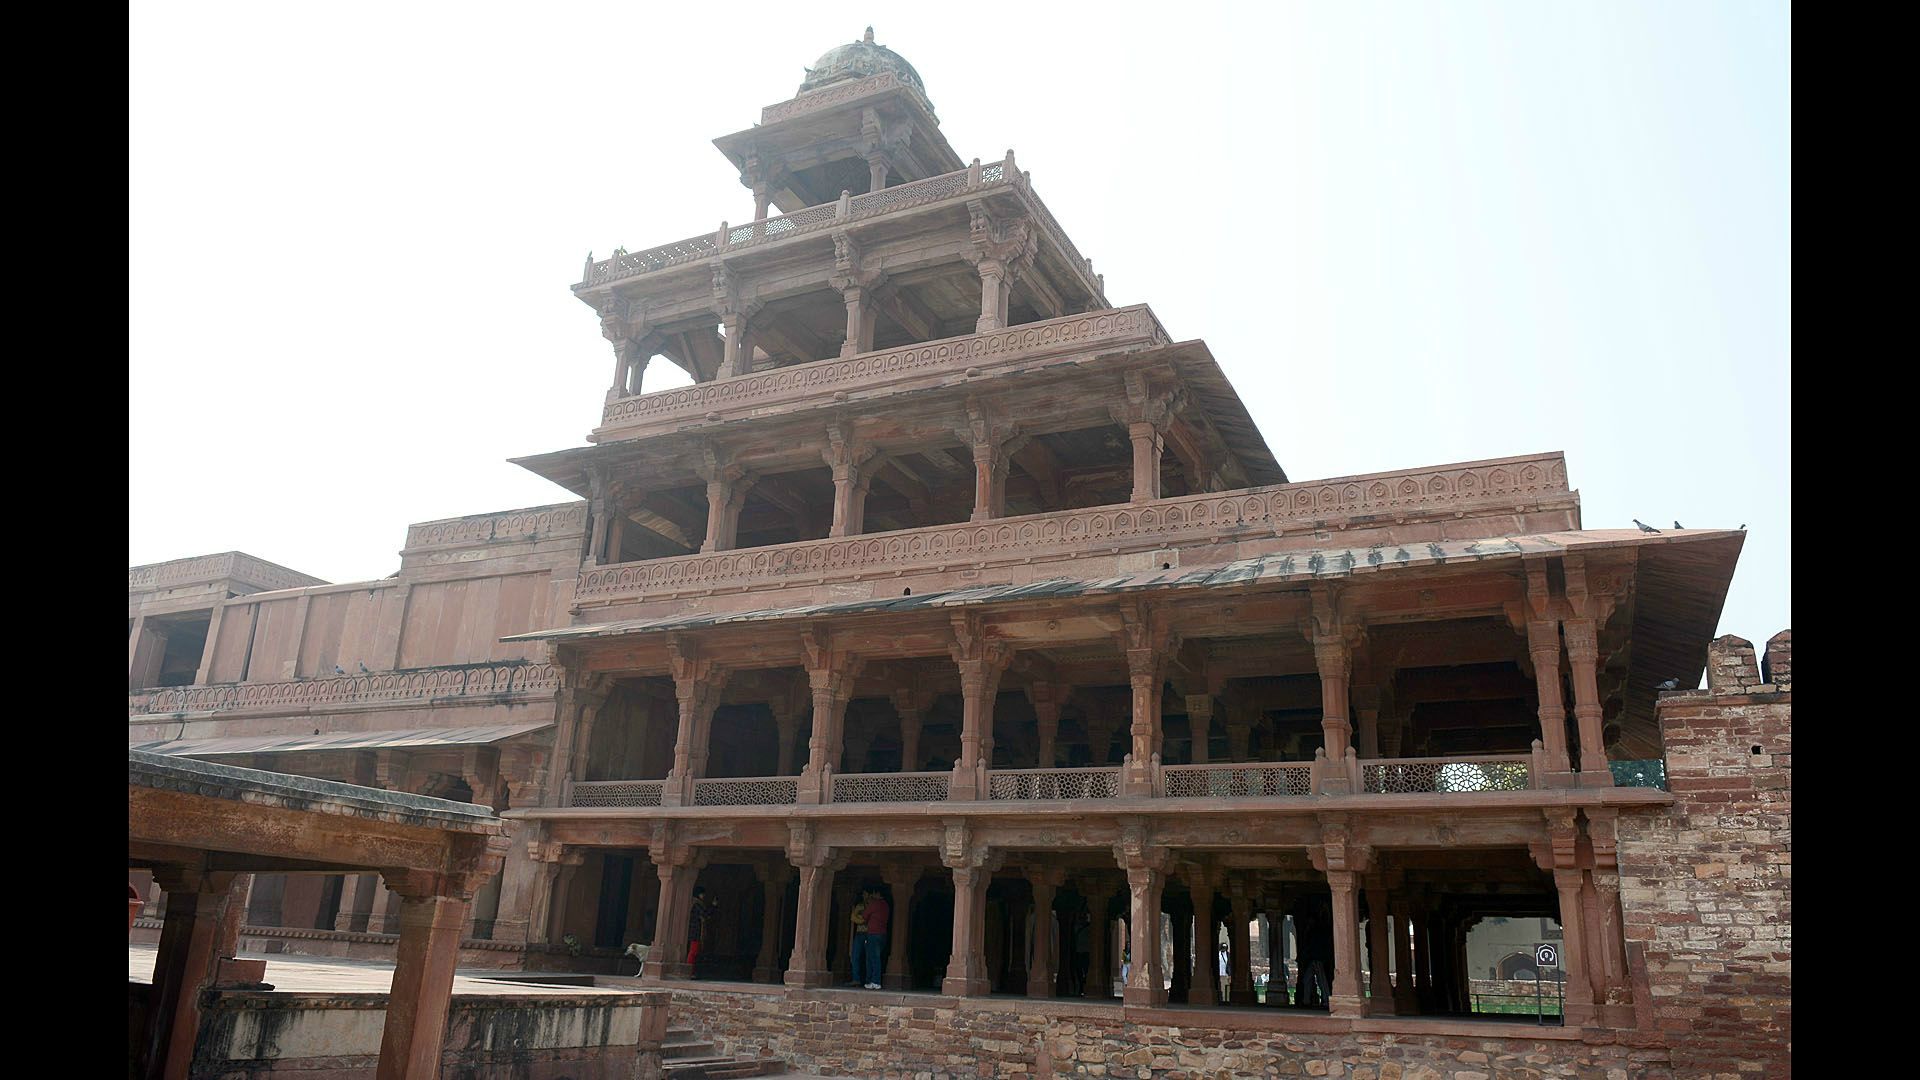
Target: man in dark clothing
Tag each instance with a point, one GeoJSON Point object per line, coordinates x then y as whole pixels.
{"type": "Point", "coordinates": [879, 917]}
{"type": "Point", "coordinates": [698, 917]}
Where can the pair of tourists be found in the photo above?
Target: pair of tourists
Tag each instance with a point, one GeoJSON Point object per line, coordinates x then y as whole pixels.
{"type": "Point", "coordinates": [871, 918]}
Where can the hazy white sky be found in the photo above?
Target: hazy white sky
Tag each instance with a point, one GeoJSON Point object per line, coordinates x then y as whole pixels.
{"type": "Point", "coordinates": [1412, 233]}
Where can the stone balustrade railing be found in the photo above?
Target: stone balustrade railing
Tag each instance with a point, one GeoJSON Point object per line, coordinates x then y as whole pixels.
{"type": "Point", "coordinates": [1232, 780]}
{"type": "Point", "coordinates": [615, 792]}
{"type": "Point", "coordinates": [1043, 785]}
{"type": "Point", "coordinates": [1107, 331]}
{"type": "Point", "coordinates": [532, 523]}
{"type": "Point", "coordinates": [1237, 780]}
{"type": "Point", "coordinates": [747, 791]}
{"type": "Point", "coordinates": [1445, 774]}
{"type": "Point", "coordinates": [841, 94]}
{"type": "Point", "coordinates": [427, 684]}
{"type": "Point", "coordinates": [964, 183]}
{"type": "Point", "coordinates": [1470, 486]}
{"type": "Point", "coordinates": [891, 787]}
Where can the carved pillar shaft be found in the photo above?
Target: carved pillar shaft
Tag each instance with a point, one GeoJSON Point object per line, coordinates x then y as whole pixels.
{"type": "Point", "coordinates": [1345, 1000]}
{"type": "Point", "coordinates": [900, 883]}
{"type": "Point", "coordinates": [1583, 656]}
{"type": "Point", "coordinates": [738, 357]}
{"type": "Point", "coordinates": [1143, 679]}
{"type": "Point", "coordinates": [1573, 946]}
{"type": "Point", "coordinates": [1047, 717]}
{"type": "Point", "coordinates": [1200, 723]}
{"type": "Point", "coordinates": [1335, 662]}
{"type": "Point", "coordinates": [1044, 952]}
{"type": "Point", "coordinates": [1149, 445]}
{"type": "Point", "coordinates": [826, 742]}
{"type": "Point", "coordinates": [989, 483]}
{"type": "Point", "coordinates": [967, 965]}
{"type": "Point", "coordinates": [1240, 952]}
{"type": "Point", "coordinates": [1204, 990]}
{"type": "Point", "coordinates": [860, 321]}
{"type": "Point", "coordinates": [1145, 983]}
{"type": "Point", "coordinates": [1379, 965]}
{"type": "Point", "coordinates": [993, 296]}
{"type": "Point", "coordinates": [850, 486]}
{"type": "Point", "coordinates": [979, 684]}
{"type": "Point", "coordinates": [1099, 934]}
{"type": "Point", "coordinates": [1543, 645]}
{"type": "Point", "coordinates": [668, 960]}
{"type": "Point", "coordinates": [808, 966]}
{"type": "Point", "coordinates": [773, 895]}
{"type": "Point", "coordinates": [910, 740]}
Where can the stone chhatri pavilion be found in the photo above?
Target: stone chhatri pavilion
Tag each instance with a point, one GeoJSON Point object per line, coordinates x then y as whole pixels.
{"type": "Point", "coordinates": [947, 575]}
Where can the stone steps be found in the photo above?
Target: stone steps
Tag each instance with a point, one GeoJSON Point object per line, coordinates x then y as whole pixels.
{"type": "Point", "coordinates": [717, 1068]}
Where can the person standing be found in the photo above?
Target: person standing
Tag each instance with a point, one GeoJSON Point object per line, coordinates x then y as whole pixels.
{"type": "Point", "coordinates": [698, 918]}
{"type": "Point", "coordinates": [879, 915]}
{"type": "Point", "coordinates": [857, 945]}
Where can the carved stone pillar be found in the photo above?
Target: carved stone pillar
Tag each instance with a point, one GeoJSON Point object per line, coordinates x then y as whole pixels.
{"type": "Point", "coordinates": [909, 706]}
{"type": "Point", "coordinates": [773, 889]}
{"type": "Point", "coordinates": [1583, 655]}
{"type": "Point", "coordinates": [1366, 709]}
{"type": "Point", "coordinates": [1044, 962]}
{"type": "Point", "coordinates": [1099, 937]}
{"type": "Point", "coordinates": [900, 882]}
{"type": "Point", "coordinates": [816, 866]}
{"type": "Point", "coordinates": [967, 964]}
{"type": "Point", "coordinates": [830, 675]}
{"type": "Point", "coordinates": [697, 684]}
{"type": "Point", "coordinates": [1047, 700]}
{"type": "Point", "coordinates": [1240, 949]}
{"type": "Point", "coordinates": [1200, 722]}
{"type": "Point", "coordinates": [1345, 1000]}
{"type": "Point", "coordinates": [786, 725]}
{"type": "Point", "coordinates": [1543, 646]}
{"type": "Point", "coordinates": [860, 320]}
{"type": "Point", "coordinates": [982, 661]}
{"type": "Point", "coordinates": [1149, 643]}
{"type": "Point", "coordinates": [678, 869]}
{"type": "Point", "coordinates": [1404, 1002]}
{"type": "Point", "coordinates": [738, 358]}
{"type": "Point", "coordinates": [1205, 989]}
{"type": "Point", "coordinates": [1380, 984]}
{"type": "Point", "coordinates": [852, 466]}
{"type": "Point", "coordinates": [1334, 660]}
{"type": "Point", "coordinates": [1145, 982]}
{"type": "Point", "coordinates": [726, 495]}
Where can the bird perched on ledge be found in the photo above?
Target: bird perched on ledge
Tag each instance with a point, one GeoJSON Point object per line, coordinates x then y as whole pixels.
{"type": "Point", "coordinates": [1644, 527]}
{"type": "Point", "coordinates": [1670, 684]}
{"type": "Point", "coordinates": [1677, 525]}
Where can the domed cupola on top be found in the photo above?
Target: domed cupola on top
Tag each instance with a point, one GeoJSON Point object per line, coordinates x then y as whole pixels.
{"type": "Point", "coordinates": [860, 122]}
{"type": "Point", "coordinates": [858, 60]}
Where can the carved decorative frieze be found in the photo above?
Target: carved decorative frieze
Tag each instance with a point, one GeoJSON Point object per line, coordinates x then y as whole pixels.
{"type": "Point", "coordinates": [424, 685]}
{"type": "Point", "coordinates": [1253, 510]}
{"type": "Point", "coordinates": [532, 523]}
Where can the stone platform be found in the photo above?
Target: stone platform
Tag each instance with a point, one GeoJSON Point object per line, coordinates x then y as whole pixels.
{"type": "Point", "coordinates": [323, 1020]}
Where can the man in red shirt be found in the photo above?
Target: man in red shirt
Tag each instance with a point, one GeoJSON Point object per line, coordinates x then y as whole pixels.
{"type": "Point", "coordinates": [879, 916]}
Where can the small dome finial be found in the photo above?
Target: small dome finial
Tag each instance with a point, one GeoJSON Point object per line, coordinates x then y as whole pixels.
{"type": "Point", "coordinates": [869, 38]}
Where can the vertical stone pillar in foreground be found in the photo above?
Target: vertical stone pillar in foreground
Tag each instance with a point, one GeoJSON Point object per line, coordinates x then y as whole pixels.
{"type": "Point", "coordinates": [1380, 987]}
{"type": "Point", "coordinates": [1149, 643]}
{"type": "Point", "coordinates": [972, 873]}
{"type": "Point", "coordinates": [1240, 948]}
{"type": "Point", "coordinates": [697, 684]}
{"type": "Point", "coordinates": [1204, 987]}
{"type": "Point", "coordinates": [188, 960]}
{"type": "Point", "coordinates": [982, 661]}
{"type": "Point", "coordinates": [773, 887]}
{"type": "Point", "coordinates": [815, 864]}
{"type": "Point", "coordinates": [416, 1022]}
{"type": "Point", "coordinates": [1041, 970]}
{"type": "Point", "coordinates": [900, 881]}
{"type": "Point", "coordinates": [830, 674]}
{"type": "Point", "coordinates": [1343, 862]}
{"type": "Point", "coordinates": [1146, 868]}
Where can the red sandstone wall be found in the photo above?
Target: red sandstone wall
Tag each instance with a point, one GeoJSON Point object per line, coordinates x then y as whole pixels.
{"type": "Point", "coordinates": [844, 1034]}
{"type": "Point", "coordinates": [1706, 889]}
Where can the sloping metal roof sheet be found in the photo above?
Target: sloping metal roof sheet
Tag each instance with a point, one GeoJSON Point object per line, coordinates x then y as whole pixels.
{"type": "Point", "coordinates": [340, 740]}
{"type": "Point", "coordinates": [163, 773]}
{"type": "Point", "coordinates": [1306, 565]}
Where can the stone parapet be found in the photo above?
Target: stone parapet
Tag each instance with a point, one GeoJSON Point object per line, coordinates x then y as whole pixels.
{"type": "Point", "coordinates": [231, 565]}
{"type": "Point", "coordinates": [1480, 487]}
{"type": "Point", "coordinates": [796, 386]}
{"type": "Point", "coordinates": [869, 1034]}
{"type": "Point", "coordinates": [466, 681]}
{"type": "Point", "coordinates": [510, 526]}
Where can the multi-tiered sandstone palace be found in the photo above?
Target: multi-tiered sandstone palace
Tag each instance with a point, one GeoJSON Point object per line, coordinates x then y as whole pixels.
{"type": "Point", "coordinates": [950, 578]}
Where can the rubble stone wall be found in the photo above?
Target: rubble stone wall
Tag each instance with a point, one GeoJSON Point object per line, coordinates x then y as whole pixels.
{"type": "Point", "coordinates": [1706, 888]}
